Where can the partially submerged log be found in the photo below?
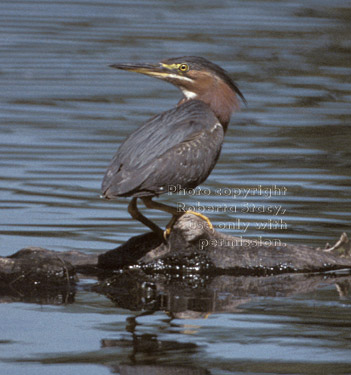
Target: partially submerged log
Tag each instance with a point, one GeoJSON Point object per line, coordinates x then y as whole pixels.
{"type": "Point", "coordinates": [37, 274]}
{"type": "Point", "coordinates": [192, 248]}
{"type": "Point", "coordinates": [36, 265]}
{"type": "Point", "coordinates": [192, 244]}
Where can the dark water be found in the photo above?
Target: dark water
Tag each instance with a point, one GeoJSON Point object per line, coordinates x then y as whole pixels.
{"type": "Point", "coordinates": [286, 162]}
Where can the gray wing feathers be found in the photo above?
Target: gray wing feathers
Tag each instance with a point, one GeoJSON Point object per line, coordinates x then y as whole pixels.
{"type": "Point", "coordinates": [187, 164]}
{"type": "Point", "coordinates": [153, 153]}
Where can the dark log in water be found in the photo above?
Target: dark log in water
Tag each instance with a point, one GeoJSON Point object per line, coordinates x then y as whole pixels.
{"type": "Point", "coordinates": [191, 246]}
{"type": "Point", "coordinates": [37, 275]}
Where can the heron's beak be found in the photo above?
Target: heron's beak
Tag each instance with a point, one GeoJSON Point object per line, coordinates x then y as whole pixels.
{"type": "Point", "coordinates": [155, 70]}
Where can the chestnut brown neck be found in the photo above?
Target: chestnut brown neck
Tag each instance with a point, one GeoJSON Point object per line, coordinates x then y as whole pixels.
{"type": "Point", "coordinates": [217, 95]}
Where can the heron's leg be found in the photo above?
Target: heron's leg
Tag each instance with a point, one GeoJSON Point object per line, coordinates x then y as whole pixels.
{"type": "Point", "coordinates": [137, 215]}
{"type": "Point", "coordinates": [149, 203]}
{"type": "Point", "coordinates": [169, 226]}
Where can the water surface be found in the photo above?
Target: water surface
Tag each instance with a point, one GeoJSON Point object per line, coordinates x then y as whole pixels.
{"type": "Point", "coordinates": [63, 114]}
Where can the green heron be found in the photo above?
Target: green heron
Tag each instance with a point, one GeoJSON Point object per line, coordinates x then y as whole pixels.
{"type": "Point", "coordinates": [179, 147]}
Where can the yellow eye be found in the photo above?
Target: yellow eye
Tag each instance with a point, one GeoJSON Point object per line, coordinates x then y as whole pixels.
{"type": "Point", "coordinates": [183, 67]}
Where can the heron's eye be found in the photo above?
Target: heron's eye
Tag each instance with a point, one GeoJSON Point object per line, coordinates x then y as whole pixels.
{"type": "Point", "coordinates": [183, 67]}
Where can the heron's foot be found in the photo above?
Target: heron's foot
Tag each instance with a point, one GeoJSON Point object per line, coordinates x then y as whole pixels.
{"type": "Point", "coordinates": [169, 227]}
{"type": "Point", "coordinates": [210, 226]}
{"type": "Point", "coordinates": [166, 233]}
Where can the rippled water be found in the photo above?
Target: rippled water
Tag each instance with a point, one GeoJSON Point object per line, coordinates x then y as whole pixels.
{"type": "Point", "coordinates": [63, 113]}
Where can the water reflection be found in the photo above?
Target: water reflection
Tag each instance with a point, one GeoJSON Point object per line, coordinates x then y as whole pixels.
{"type": "Point", "coordinates": [190, 305]}
{"type": "Point", "coordinates": [170, 323]}
{"type": "Point", "coordinates": [195, 296]}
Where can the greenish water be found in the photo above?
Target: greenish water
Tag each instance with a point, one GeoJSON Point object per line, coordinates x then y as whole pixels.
{"type": "Point", "coordinates": [63, 114]}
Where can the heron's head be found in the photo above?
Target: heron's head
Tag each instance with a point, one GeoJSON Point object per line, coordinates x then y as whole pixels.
{"type": "Point", "coordinates": [197, 78]}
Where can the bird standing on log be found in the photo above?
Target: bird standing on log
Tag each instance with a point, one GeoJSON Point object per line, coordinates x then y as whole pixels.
{"type": "Point", "coordinates": [178, 147]}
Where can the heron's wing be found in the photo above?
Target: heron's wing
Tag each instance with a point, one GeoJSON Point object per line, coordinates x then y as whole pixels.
{"type": "Point", "coordinates": [139, 154]}
{"type": "Point", "coordinates": [185, 165]}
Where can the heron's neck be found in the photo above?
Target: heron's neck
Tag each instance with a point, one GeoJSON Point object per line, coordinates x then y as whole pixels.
{"type": "Point", "coordinates": [220, 98]}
